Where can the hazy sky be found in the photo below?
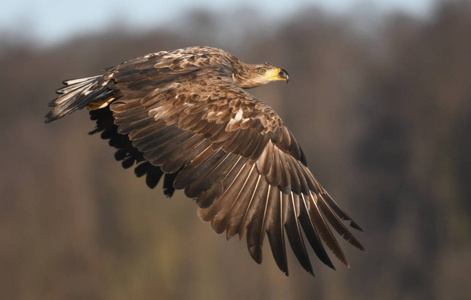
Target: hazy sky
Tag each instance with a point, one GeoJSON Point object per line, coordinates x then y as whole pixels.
{"type": "Point", "coordinates": [50, 21]}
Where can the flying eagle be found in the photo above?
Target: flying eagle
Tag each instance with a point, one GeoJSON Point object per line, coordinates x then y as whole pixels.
{"type": "Point", "coordinates": [185, 115]}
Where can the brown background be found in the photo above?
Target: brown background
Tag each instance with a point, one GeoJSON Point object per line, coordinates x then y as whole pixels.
{"type": "Point", "coordinates": [383, 113]}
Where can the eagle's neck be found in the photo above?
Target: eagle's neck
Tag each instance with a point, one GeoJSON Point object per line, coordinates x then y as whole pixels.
{"type": "Point", "coordinates": [245, 75]}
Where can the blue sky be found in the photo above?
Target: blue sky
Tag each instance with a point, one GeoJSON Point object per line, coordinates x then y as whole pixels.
{"type": "Point", "coordinates": [51, 21]}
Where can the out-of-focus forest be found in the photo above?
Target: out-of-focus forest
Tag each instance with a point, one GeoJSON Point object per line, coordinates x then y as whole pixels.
{"type": "Point", "coordinates": [381, 106]}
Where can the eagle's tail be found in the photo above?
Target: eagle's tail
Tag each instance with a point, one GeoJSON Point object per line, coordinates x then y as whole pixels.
{"type": "Point", "coordinates": [78, 93]}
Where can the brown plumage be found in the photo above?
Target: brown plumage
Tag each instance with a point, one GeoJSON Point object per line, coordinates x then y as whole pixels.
{"type": "Point", "coordinates": [185, 115]}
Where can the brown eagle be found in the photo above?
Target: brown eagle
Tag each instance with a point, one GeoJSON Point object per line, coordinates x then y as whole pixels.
{"type": "Point", "coordinates": [185, 114]}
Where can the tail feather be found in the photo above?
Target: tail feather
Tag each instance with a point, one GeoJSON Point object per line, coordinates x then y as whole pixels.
{"type": "Point", "coordinates": [76, 94]}
{"type": "Point", "coordinates": [73, 84]}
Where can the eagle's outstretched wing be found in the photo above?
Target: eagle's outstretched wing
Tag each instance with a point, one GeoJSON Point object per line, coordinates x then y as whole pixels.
{"type": "Point", "coordinates": [225, 148]}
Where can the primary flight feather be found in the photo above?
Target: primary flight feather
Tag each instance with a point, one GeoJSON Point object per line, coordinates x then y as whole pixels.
{"type": "Point", "coordinates": [185, 115]}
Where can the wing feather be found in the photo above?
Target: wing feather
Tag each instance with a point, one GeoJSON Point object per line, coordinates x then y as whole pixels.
{"type": "Point", "coordinates": [337, 224]}
{"type": "Point", "coordinates": [158, 155]}
{"type": "Point", "coordinates": [311, 233]}
{"type": "Point", "coordinates": [259, 189]}
{"type": "Point", "coordinates": [219, 214]}
{"type": "Point", "coordinates": [152, 141]}
{"type": "Point", "coordinates": [199, 166]}
{"type": "Point", "coordinates": [324, 230]}
{"type": "Point", "coordinates": [227, 183]}
{"type": "Point", "coordinates": [214, 172]}
{"type": "Point", "coordinates": [256, 220]}
{"type": "Point", "coordinates": [184, 154]}
{"type": "Point", "coordinates": [343, 215]}
{"type": "Point", "coordinates": [290, 202]}
{"type": "Point", "coordinates": [241, 203]}
{"type": "Point", "coordinates": [274, 228]}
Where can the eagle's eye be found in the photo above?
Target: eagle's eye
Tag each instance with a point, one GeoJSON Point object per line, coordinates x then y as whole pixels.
{"type": "Point", "coordinates": [262, 71]}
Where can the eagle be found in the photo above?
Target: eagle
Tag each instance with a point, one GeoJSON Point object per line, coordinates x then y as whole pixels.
{"type": "Point", "coordinates": [185, 116]}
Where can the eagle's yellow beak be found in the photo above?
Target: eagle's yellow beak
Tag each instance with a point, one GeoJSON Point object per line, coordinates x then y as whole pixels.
{"type": "Point", "coordinates": [277, 74]}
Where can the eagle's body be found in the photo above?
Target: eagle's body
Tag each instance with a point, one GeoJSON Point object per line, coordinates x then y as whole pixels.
{"type": "Point", "coordinates": [185, 114]}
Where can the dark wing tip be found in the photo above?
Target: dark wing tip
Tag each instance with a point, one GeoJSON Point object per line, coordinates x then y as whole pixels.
{"type": "Point", "coordinates": [256, 253]}
{"type": "Point", "coordinates": [353, 224]}
{"type": "Point", "coordinates": [49, 117]}
{"type": "Point", "coordinates": [153, 176]}
{"type": "Point", "coordinates": [169, 189]}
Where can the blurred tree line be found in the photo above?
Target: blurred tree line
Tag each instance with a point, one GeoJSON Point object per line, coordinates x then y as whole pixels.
{"type": "Point", "coordinates": [383, 114]}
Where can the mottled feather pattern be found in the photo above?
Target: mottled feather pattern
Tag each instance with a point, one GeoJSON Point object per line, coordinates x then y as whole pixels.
{"type": "Point", "coordinates": [184, 113]}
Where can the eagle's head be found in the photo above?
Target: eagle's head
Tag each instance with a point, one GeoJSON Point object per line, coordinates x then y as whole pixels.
{"type": "Point", "coordinates": [250, 76]}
